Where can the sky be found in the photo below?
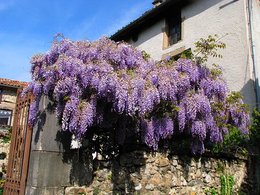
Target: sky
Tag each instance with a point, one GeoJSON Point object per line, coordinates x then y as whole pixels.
{"type": "Point", "coordinates": [27, 27]}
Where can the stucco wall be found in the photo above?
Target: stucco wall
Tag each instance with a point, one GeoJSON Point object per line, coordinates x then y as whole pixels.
{"type": "Point", "coordinates": [151, 39]}
{"type": "Point", "coordinates": [8, 101]}
{"type": "Point", "coordinates": [208, 17]}
{"type": "Point", "coordinates": [256, 33]}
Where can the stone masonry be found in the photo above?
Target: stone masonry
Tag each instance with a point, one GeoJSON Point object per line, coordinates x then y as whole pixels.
{"type": "Point", "coordinates": [155, 174]}
{"type": "Point", "coordinates": [55, 168]}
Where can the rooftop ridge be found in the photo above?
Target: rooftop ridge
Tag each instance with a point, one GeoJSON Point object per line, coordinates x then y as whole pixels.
{"type": "Point", "coordinates": [13, 83]}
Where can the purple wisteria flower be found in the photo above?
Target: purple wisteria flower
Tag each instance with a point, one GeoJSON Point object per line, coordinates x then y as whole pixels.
{"type": "Point", "coordinates": [85, 78]}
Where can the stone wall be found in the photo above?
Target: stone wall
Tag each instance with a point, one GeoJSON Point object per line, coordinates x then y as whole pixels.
{"type": "Point", "coordinates": [4, 151]}
{"type": "Point", "coordinates": [9, 96]}
{"type": "Point", "coordinates": [55, 168]}
{"type": "Point", "coordinates": [8, 101]}
{"type": "Point", "coordinates": [144, 173]}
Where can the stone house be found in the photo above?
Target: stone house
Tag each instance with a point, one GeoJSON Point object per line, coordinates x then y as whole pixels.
{"type": "Point", "coordinates": [173, 26]}
{"type": "Point", "coordinates": [8, 96]}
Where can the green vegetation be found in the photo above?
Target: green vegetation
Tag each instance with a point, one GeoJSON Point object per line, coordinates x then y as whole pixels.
{"type": "Point", "coordinates": [5, 137]}
{"type": "Point", "coordinates": [226, 182]}
{"type": "Point", "coordinates": [255, 129]}
{"type": "Point", "coordinates": [208, 47]}
{"type": "Point", "coordinates": [211, 191]}
{"type": "Point", "coordinates": [227, 185]}
{"type": "Point", "coordinates": [2, 186]}
{"type": "Point", "coordinates": [109, 176]}
{"type": "Point", "coordinates": [237, 143]}
{"type": "Point", "coordinates": [234, 142]}
{"type": "Point", "coordinates": [96, 191]}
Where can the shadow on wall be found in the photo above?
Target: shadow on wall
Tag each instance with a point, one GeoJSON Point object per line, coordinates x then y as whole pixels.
{"type": "Point", "coordinates": [105, 169]}
{"type": "Point", "coordinates": [127, 168]}
{"type": "Point", "coordinates": [80, 159]}
{"type": "Point", "coordinates": [248, 92]}
{"type": "Point", "coordinates": [198, 8]}
{"type": "Point", "coordinates": [40, 124]}
{"type": "Point", "coordinates": [142, 171]}
{"type": "Point", "coordinates": [251, 183]}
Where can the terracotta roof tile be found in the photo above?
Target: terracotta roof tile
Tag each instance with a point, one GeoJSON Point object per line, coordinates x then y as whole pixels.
{"type": "Point", "coordinates": [13, 83]}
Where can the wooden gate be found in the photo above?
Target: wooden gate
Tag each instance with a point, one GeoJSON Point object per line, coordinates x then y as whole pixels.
{"type": "Point", "coordinates": [20, 149]}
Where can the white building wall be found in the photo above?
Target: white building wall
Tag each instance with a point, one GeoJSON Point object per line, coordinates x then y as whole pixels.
{"type": "Point", "coordinates": [256, 33]}
{"type": "Point", "coordinates": [208, 17]}
{"type": "Point", "coordinates": [151, 39]}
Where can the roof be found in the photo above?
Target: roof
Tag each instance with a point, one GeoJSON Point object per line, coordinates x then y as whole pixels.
{"type": "Point", "coordinates": [146, 19]}
{"type": "Point", "coordinates": [13, 83]}
{"type": "Point", "coordinates": [157, 1]}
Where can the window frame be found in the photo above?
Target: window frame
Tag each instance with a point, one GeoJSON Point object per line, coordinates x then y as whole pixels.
{"type": "Point", "coordinates": [1, 95]}
{"type": "Point", "coordinates": [170, 21]}
{"type": "Point", "coordinates": [9, 118]}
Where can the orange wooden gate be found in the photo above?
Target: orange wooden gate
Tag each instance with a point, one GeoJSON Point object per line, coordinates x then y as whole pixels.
{"type": "Point", "coordinates": [20, 149]}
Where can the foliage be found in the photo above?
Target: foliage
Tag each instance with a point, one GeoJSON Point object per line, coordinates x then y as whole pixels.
{"type": "Point", "coordinates": [109, 176]}
{"type": "Point", "coordinates": [220, 168]}
{"type": "Point", "coordinates": [208, 47]}
{"type": "Point", "coordinates": [236, 142]}
{"type": "Point", "coordinates": [211, 191]}
{"type": "Point", "coordinates": [2, 182]}
{"type": "Point", "coordinates": [255, 128]}
{"type": "Point", "coordinates": [4, 168]}
{"type": "Point", "coordinates": [227, 184]}
{"type": "Point", "coordinates": [145, 55]}
{"type": "Point", "coordinates": [233, 143]}
{"type": "Point", "coordinates": [106, 86]}
{"type": "Point", "coordinates": [5, 136]}
{"type": "Point", "coordinates": [96, 191]}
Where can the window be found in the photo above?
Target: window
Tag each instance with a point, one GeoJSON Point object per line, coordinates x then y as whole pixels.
{"type": "Point", "coordinates": [5, 117]}
{"type": "Point", "coordinates": [1, 92]}
{"type": "Point", "coordinates": [178, 53]}
{"type": "Point", "coordinates": [173, 29]}
{"type": "Point", "coordinates": [135, 37]}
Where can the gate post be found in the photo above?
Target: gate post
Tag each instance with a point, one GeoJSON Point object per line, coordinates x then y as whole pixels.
{"type": "Point", "coordinates": [48, 173]}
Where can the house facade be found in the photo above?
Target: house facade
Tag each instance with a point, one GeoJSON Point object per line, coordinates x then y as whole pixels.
{"type": "Point", "coordinates": [8, 95]}
{"type": "Point", "coordinates": [173, 26]}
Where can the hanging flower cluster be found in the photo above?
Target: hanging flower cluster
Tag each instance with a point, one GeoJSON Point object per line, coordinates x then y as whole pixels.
{"type": "Point", "coordinates": [167, 97]}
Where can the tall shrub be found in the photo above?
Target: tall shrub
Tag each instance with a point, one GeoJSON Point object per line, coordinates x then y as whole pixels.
{"type": "Point", "coordinates": [91, 82]}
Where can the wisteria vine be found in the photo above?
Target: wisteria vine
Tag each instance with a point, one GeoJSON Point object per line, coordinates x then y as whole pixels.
{"type": "Point", "coordinates": [166, 98]}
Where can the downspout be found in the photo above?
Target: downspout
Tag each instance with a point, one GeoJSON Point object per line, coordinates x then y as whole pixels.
{"type": "Point", "coordinates": [253, 53]}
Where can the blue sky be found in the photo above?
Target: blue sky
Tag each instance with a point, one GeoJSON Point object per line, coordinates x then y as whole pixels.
{"type": "Point", "coordinates": [27, 27]}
